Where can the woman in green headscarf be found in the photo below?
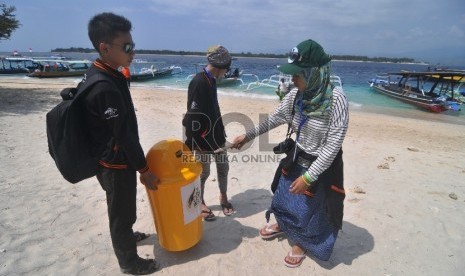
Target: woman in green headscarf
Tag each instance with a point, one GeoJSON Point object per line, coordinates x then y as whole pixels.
{"type": "Point", "coordinates": [308, 201]}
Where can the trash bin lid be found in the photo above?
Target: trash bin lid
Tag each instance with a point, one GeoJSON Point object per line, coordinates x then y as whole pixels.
{"type": "Point", "coordinates": [172, 161]}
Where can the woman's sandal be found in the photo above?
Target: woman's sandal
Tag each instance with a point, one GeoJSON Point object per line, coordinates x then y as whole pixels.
{"type": "Point", "coordinates": [268, 232]}
{"type": "Point", "coordinates": [300, 258]}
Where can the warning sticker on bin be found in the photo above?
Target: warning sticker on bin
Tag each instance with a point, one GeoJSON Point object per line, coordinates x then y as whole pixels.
{"type": "Point", "coordinates": [191, 200]}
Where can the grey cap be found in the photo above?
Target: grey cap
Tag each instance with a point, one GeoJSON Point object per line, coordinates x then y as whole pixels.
{"type": "Point", "coordinates": [219, 57]}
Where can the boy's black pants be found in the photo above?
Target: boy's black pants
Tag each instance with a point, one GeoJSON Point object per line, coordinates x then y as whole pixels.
{"type": "Point", "coordinates": [120, 188]}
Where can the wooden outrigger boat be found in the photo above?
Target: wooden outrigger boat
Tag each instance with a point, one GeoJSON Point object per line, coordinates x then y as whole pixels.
{"type": "Point", "coordinates": [274, 82]}
{"type": "Point", "coordinates": [433, 91]}
{"type": "Point", "coordinates": [154, 71]}
{"type": "Point", "coordinates": [230, 78]}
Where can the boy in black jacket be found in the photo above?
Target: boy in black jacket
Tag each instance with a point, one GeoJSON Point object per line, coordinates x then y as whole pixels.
{"type": "Point", "coordinates": [204, 126]}
{"type": "Point", "coordinates": [112, 123]}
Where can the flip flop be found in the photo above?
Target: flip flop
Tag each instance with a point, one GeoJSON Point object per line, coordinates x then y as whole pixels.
{"type": "Point", "coordinates": [270, 232]}
{"type": "Point", "coordinates": [227, 208]}
{"type": "Point", "coordinates": [140, 236]}
{"type": "Point", "coordinates": [208, 215]}
{"type": "Point", "coordinates": [300, 258]}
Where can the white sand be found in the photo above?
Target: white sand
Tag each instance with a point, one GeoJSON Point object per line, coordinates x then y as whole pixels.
{"type": "Point", "coordinates": [399, 216]}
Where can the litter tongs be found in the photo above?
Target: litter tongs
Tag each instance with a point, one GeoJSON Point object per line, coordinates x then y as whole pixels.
{"type": "Point", "coordinates": [226, 147]}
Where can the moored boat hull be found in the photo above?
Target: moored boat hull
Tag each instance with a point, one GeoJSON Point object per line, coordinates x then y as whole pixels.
{"type": "Point", "coordinates": [422, 103]}
{"type": "Point", "coordinates": [150, 75]}
{"type": "Point", "coordinates": [57, 74]}
{"type": "Point", "coordinates": [433, 91]}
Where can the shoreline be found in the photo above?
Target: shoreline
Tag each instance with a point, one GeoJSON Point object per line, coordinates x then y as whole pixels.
{"type": "Point", "coordinates": [448, 117]}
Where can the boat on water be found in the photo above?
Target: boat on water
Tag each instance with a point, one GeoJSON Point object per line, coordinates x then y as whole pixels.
{"type": "Point", "coordinates": [434, 91]}
{"type": "Point", "coordinates": [231, 77]}
{"type": "Point", "coordinates": [447, 69]}
{"type": "Point", "coordinates": [56, 68]}
{"type": "Point", "coordinates": [17, 65]}
{"type": "Point", "coordinates": [145, 71]}
{"type": "Point", "coordinates": [272, 81]}
{"type": "Point", "coordinates": [275, 81]}
{"type": "Point", "coordinates": [335, 80]}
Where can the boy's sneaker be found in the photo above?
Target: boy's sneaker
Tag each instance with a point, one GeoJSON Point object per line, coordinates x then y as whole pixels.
{"type": "Point", "coordinates": [142, 267]}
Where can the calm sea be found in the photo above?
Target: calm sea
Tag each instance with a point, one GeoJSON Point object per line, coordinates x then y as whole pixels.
{"type": "Point", "coordinates": [354, 75]}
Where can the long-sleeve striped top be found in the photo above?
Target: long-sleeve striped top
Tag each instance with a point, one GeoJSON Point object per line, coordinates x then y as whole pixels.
{"type": "Point", "coordinates": [320, 136]}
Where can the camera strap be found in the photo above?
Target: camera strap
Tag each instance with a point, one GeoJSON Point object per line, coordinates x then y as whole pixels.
{"type": "Point", "coordinates": [303, 119]}
{"type": "Point", "coordinates": [290, 131]}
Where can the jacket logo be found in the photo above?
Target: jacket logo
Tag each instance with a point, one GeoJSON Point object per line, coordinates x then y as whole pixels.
{"type": "Point", "coordinates": [111, 113]}
{"type": "Point", "coordinates": [194, 105]}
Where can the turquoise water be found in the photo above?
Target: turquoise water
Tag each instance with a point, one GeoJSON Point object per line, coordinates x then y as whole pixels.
{"type": "Point", "coordinates": [354, 75]}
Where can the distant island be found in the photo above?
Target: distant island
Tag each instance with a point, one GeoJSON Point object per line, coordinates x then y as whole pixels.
{"type": "Point", "coordinates": [248, 54]}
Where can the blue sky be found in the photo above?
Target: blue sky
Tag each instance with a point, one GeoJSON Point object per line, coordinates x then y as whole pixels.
{"type": "Point", "coordinates": [432, 31]}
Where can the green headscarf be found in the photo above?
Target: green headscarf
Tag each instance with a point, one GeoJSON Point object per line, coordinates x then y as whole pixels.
{"type": "Point", "coordinates": [318, 94]}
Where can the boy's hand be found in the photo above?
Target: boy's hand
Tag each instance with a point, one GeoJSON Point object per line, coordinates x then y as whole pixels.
{"type": "Point", "coordinates": [149, 180]}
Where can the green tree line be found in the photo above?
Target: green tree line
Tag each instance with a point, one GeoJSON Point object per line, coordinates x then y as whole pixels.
{"type": "Point", "coordinates": [242, 54]}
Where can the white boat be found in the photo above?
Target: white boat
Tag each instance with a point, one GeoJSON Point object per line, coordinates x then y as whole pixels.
{"type": "Point", "coordinates": [17, 65]}
{"type": "Point", "coordinates": [335, 80]}
{"type": "Point", "coordinates": [275, 80]}
{"type": "Point", "coordinates": [143, 70]}
{"type": "Point", "coordinates": [272, 81]}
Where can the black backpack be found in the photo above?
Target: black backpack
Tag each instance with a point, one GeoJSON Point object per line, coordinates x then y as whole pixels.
{"type": "Point", "coordinates": [67, 134]}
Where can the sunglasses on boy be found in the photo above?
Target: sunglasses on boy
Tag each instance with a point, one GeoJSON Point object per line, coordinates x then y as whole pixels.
{"type": "Point", "coordinates": [127, 47]}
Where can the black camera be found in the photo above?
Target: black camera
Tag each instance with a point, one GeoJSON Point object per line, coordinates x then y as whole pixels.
{"type": "Point", "coordinates": [285, 146]}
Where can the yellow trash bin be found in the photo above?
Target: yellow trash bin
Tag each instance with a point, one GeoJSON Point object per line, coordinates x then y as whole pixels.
{"type": "Point", "coordinates": [176, 203]}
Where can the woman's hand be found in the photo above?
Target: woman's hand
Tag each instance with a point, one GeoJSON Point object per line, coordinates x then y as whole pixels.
{"type": "Point", "coordinates": [239, 142]}
{"type": "Point", "coordinates": [298, 186]}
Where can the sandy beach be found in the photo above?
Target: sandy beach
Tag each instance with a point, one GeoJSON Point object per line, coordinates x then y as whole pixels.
{"type": "Point", "coordinates": [404, 206]}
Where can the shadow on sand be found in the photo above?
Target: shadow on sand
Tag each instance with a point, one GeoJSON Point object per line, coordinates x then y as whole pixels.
{"type": "Point", "coordinates": [26, 101]}
{"type": "Point", "coordinates": [232, 232]}
{"type": "Point", "coordinates": [352, 242]}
